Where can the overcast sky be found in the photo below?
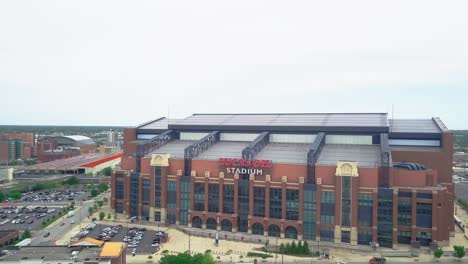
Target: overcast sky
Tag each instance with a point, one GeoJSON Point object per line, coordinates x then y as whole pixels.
{"type": "Point", "coordinates": [110, 63]}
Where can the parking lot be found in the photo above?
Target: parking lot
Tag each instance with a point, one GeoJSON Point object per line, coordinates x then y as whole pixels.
{"type": "Point", "coordinates": [140, 241]}
{"type": "Point", "coordinates": [26, 217]}
{"type": "Point", "coordinates": [59, 196]}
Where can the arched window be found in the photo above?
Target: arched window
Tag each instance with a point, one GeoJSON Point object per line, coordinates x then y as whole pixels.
{"type": "Point", "coordinates": [211, 224]}
{"type": "Point", "coordinates": [257, 229]}
{"type": "Point", "coordinates": [290, 232]}
{"type": "Point", "coordinates": [226, 225]}
{"type": "Point", "coordinates": [197, 222]}
{"type": "Point", "coordinates": [273, 230]}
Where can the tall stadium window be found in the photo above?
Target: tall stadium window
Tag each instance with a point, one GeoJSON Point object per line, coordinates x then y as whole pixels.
{"type": "Point", "coordinates": [275, 203]}
{"type": "Point", "coordinates": [404, 213]}
{"type": "Point", "coordinates": [346, 201]}
{"type": "Point", "coordinates": [213, 197]}
{"type": "Point", "coordinates": [119, 190]}
{"type": "Point", "coordinates": [385, 218]}
{"type": "Point", "coordinates": [292, 204]}
{"type": "Point", "coordinates": [259, 201]}
{"type": "Point", "coordinates": [157, 187]}
{"type": "Point", "coordinates": [310, 212]}
{"type": "Point", "coordinates": [365, 209]}
{"type": "Point", "coordinates": [171, 194]}
{"type": "Point", "coordinates": [199, 195]}
{"type": "Point", "coordinates": [146, 192]}
{"type": "Point", "coordinates": [228, 198]}
{"type": "Point", "coordinates": [327, 208]}
{"type": "Point", "coordinates": [424, 215]}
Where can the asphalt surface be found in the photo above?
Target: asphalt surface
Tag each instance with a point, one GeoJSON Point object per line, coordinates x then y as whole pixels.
{"type": "Point", "coordinates": [461, 190]}
{"type": "Point", "coordinates": [37, 224]}
{"type": "Point", "coordinates": [57, 230]}
{"type": "Point", "coordinates": [143, 247]}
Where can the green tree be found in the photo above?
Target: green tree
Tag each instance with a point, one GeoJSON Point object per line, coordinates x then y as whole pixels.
{"type": "Point", "coordinates": [109, 216]}
{"type": "Point", "coordinates": [90, 210]}
{"type": "Point", "coordinates": [305, 245]}
{"type": "Point", "coordinates": [438, 253]}
{"type": "Point", "coordinates": [72, 180]}
{"type": "Point", "coordinates": [102, 215]}
{"type": "Point", "coordinates": [2, 197]}
{"type": "Point", "coordinates": [107, 171]}
{"type": "Point", "coordinates": [94, 193]}
{"type": "Point", "coordinates": [102, 187]}
{"type": "Point", "coordinates": [293, 248]}
{"type": "Point", "coordinates": [287, 248]}
{"type": "Point", "coordinates": [100, 203]}
{"type": "Point", "coordinates": [300, 248]}
{"type": "Point", "coordinates": [15, 195]}
{"type": "Point", "coordinates": [459, 251]}
{"type": "Point", "coordinates": [26, 234]}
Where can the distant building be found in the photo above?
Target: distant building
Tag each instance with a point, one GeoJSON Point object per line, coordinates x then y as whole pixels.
{"type": "Point", "coordinates": [6, 175]}
{"type": "Point", "coordinates": [82, 164]}
{"type": "Point", "coordinates": [59, 147]}
{"type": "Point", "coordinates": [11, 149]}
{"type": "Point", "coordinates": [7, 237]}
{"type": "Point", "coordinates": [24, 151]}
{"type": "Point", "coordinates": [110, 253]}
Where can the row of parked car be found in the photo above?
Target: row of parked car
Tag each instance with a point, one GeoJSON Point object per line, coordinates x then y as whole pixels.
{"type": "Point", "coordinates": [55, 196]}
{"type": "Point", "coordinates": [108, 233]}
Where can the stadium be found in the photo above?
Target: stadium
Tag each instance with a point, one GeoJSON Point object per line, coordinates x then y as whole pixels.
{"type": "Point", "coordinates": [348, 178]}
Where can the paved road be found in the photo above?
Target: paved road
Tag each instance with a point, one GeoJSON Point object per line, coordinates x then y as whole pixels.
{"type": "Point", "coordinates": [57, 230]}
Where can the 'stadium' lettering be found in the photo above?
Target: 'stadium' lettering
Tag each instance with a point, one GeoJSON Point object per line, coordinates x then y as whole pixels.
{"type": "Point", "coordinates": [235, 170]}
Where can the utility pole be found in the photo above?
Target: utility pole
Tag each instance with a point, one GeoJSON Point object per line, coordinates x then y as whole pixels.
{"type": "Point", "coordinates": [189, 242]}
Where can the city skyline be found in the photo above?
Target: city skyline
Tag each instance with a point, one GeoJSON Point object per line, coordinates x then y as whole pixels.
{"type": "Point", "coordinates": [106, 63]}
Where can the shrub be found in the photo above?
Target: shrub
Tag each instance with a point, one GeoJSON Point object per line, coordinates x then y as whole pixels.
{"type": "Point", "coordinates": [459, 251]}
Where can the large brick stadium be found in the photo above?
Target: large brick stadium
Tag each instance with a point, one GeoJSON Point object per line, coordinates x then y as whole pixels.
{"type": "Point", "coordinates": [340, 178]}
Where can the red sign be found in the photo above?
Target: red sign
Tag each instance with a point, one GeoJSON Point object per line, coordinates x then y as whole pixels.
{"type": "Point", "coordinates": [244, 166]}
{"type": "Point", "coordinates": [245, 163]}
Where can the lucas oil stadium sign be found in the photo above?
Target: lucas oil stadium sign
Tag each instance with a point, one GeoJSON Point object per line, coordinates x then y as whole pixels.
{"type": "Point", "coordinates": [244, 166]}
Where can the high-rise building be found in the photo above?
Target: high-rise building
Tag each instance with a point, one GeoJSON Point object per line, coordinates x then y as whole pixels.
{"type": "Point", "coordinates": [27, 139]}
{"type": "Point", "coordinates": [336, 178]}
{"type": "Point", "coordinates": [11, 149]}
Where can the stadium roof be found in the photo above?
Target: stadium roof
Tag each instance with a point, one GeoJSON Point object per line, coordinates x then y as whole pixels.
{"type": "Point", "coordinates": [413, 125]}
{"type": "Point", "coordinates": [297, 122]}
{"type": "Point", "coordinates": [83, 140]}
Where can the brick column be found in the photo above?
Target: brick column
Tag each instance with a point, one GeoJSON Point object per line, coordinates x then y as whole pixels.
{"type": "Point", "coordinates": [267, 205]}
{"type": "Point", "coordinates": [152, 195]}
{"type": "Point", "coordinates": [127, 195]}
{"type": "Point", "coordinates": [375, 204]}
{"type": "Point", "coordinates": [395, 219]}
{"type": "Point", "coordinates": [251, 203]}
{"type": "Point", "coordinates": [435, 231]}
{"type": "Point", "coordinates": [113, 189]}
{"type": "Point", "coordinates": [178, 188]}
{"type": "Point", "coordinates": [192, 197]}
{"type": "Point", "coordinates": [284, 181]}
{"type": "Point", "coordinates": [413, 215]}
{"type": "Point", "coordinates": [338, 189]}
{"type": "Point", "coordinates": [300, 230]}
{"type": "Point", "coordinates": [207, 181]}
{"type": "Point", "coordinates": [354, 210]}
{"type": "Point", "coordinates": [236, 203]}
{"type": "Point", "coordinates": [220, 204]}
